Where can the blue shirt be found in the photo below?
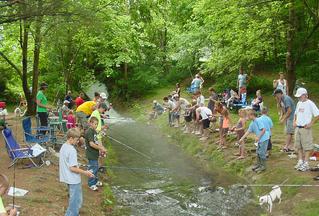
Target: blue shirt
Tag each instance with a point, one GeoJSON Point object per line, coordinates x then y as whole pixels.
{"type": "Point", "coordinates": [287, 103]}
{"type": "Point", "coordinates": [196, 82]}
{"type": "Point", "coordinates": [267, 123]}
{"type": "Point", "coordinates": [242, 80]}
{"type": "Point", "coordinates": [256, 127]}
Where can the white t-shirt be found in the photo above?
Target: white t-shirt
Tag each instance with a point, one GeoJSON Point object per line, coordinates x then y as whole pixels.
{"type": "Point", "coordinates": [3, 112]}
{"type": "Point", "coordinates": [201, 100]}
{"type": "Point", "coordinates": [305, 111]}
{"type": "Point", "coordinates": [183, 103]}
{"type": "Point", "coordinates": [171, 105]}
{"type": "Point", "coordinates": [68, 158]}
{"type": "Point", "coordinates": [205, 112]}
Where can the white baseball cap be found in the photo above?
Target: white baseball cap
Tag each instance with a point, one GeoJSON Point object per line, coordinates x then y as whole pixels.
{"type": "Point", "coordinates": [66, 101]}
{"type": "Point", "coordinates": [300, 92]}
{"type": "Point", "coordinates": [154, 101]}
{"type": "Point", "coordinates": [103, 95]}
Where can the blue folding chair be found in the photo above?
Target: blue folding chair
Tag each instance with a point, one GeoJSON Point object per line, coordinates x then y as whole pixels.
{"type": "Point", "coordinates": [243, 102]}
{"type": "Point", "coordinates": [16, 153]}
{"type": "Point", "coordinates": [192, 89]}
{"type": "Point", "coordinates": [38, 136]}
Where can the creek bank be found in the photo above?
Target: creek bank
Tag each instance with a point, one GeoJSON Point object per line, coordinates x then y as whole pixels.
{"type": "Point", "coordinates": [280, 167]}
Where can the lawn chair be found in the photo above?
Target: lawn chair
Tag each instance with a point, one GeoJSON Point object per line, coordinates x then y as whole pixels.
{"type": "Point", "coordinates": [38, 137]}
{"type": "Point", "coordinates": [60, 123]}
{"type": "Point", "coordinates": [192, 89]}
{"type": "Point", "coordinates": [241, 104]}
{"type": "Point", "coordinates": [16, 153]}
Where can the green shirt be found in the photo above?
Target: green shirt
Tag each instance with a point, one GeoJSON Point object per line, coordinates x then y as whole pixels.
{"type": "Point", "coordinates": [43, 100]}
{"type": "Point", "coordinates": [91, 136]}
{"type": "Point", "coordinates": [2, 209]}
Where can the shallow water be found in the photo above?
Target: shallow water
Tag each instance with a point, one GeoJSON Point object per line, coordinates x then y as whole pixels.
{"type": "Point", "coordinates": [163, 180]}
{"type": "Point", "coordinates": [157, 178]}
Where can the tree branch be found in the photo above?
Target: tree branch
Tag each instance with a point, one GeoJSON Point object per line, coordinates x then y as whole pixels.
{"type": "Point", "coordinates": [11, 64]}
{"type": "Point", "coordinates": [311, 13]}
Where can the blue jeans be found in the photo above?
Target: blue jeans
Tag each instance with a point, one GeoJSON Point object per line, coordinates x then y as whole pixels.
{"type": "Point", "coordinates": [75, 199]}
{"type": "Point", "coordinates": [262, 149]}
{"type": "Point", "coordinates": [93, 166]}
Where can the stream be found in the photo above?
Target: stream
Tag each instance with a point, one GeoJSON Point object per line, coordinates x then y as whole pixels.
{"type": "Point", "coordinates": [153, 176]}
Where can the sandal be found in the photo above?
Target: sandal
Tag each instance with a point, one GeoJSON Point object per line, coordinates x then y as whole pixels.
{"type": "Point", "coordinates": [241, 157]}
{"type": "Point", "coordinates": [237, 154]}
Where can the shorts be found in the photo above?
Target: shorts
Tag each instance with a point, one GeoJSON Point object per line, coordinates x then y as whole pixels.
{"type": "Point", "coordinates": [269, 147]}
{"type": "Point", "coordinates": [188, 118]}
{"type": "Point", "coordinates": [289, 128]}
{"type": "Point", "coordinates": [206, 123]}
{"type": "Point", "coordinates": [303, 139]}
{"type": "Point", "coordinates": [225, 131]}
{"type": "Point", "coordinates": [82, 119]}
{"type": "Point", "coordinates": [43, 116]}
{"type": "Point", "coordinates": [242, 90]}
{"type": "Point", "coordinates": [176, 115]}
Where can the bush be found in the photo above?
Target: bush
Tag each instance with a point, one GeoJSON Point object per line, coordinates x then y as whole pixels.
{"type": "Point", "coordinates": [257, 83]}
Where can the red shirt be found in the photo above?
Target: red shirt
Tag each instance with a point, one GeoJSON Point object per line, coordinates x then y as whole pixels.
{"type": "Point", "coordinates": [79, 101]}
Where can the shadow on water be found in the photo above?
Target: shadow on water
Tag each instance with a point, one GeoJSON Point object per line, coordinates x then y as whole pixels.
{"type": "Point", "coordinates": [171, 182]}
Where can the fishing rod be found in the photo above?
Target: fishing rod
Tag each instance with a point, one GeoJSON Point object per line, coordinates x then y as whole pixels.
{"type": "Point", "coordinates": [153, 170]}
{"type": "Point", "coordinates": [129, 147]}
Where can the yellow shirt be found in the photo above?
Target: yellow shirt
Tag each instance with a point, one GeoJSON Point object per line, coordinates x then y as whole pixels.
{"type": "Point", "coordinates": [2, 209]}
{"type": "Point", "coordinates": [86, 107]}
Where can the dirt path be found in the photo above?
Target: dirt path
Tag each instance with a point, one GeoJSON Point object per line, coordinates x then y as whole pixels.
{"type": "Point", "coordinates": [47, 196]}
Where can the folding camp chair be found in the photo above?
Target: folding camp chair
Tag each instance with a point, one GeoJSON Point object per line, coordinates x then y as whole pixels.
{"type": "Point", "coordinates": [192, 89]}
{"type": "Point", "coordinates": [39, 136]}
{"type": "Point", "coordinates": [241, 104]}
{"type": "Point", "coordinates": [16, 153]}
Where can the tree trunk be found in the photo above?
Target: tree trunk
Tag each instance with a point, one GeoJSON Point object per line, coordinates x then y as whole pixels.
{"type": "Point", "coordinates": [126, 81]}
{"type": "Point", "coordinates": [290, 62]}
{"type": "Point", "coordinates": [25, 37]}
{"type": "Point", "coordinates": [36, 58]}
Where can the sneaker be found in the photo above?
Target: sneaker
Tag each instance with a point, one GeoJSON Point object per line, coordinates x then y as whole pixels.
{"type": "Point", "coordinates": [299, 164]}
{"type": "Point", "coordinates": [304, 167]}
{"type": "Point", "coordinates": [99, 184]}
{"type": "Point", "coordinates": [94, 188]}
{"type": "Point", "coordinates": [203, 138]}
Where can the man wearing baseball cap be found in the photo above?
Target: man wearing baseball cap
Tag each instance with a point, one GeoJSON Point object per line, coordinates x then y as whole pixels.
{"type": "Point", "coordinates": [306, 115]}
{"type": "Point", "coordinates": [286, 117]}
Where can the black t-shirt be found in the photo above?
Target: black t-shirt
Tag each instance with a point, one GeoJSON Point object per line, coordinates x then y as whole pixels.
{"type": "Point", "coordinates": [91, 136]}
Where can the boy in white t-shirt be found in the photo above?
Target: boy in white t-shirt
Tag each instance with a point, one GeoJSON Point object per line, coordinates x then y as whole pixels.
{"type": "Point", "coordinates": [306, 115]}
{"type": "Point", "coordinates": [70, 173]}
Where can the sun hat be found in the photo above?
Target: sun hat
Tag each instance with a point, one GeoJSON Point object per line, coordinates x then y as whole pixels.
{"type": "Point", "coordinates": [103, 95]}
{"type": "Point", "coordinates": [300, 92]}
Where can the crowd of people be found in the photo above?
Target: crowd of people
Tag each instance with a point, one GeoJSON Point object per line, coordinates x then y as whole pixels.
{"type": "Point", "coordinates": [85, 128]}
{"type": "Point", "coordinates": [203, 116]}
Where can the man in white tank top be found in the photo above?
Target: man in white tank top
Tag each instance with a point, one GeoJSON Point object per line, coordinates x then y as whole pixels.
{"type": "Point", "coordinates": [281, 84]}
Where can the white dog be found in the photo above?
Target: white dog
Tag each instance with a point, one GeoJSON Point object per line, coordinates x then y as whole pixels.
{"type": "Point", "coordinates": [271, 197]}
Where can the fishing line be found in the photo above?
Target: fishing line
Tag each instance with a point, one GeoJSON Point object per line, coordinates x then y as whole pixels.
{"type": "Point", "coordinates": [129, 147]}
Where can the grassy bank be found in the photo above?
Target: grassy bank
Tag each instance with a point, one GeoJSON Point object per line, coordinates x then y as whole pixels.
{"type": "Point", "coordinates": [296, 200]}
